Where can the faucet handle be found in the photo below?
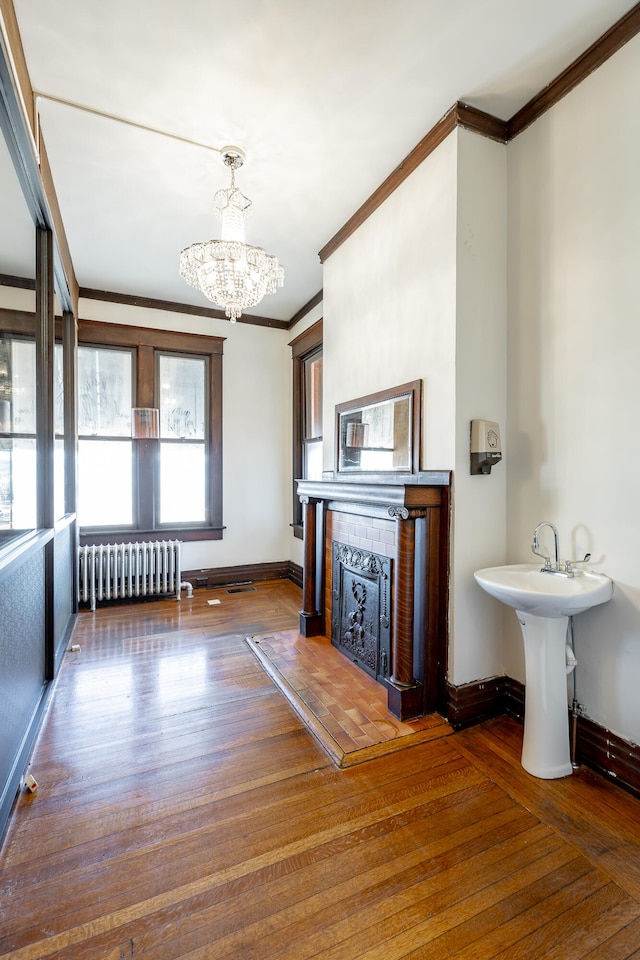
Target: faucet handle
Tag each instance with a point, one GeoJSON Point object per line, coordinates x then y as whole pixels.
{"type": "Point", "coordinates": [570, 564]}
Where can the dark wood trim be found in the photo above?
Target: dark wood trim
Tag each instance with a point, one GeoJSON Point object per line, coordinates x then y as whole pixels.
{"type": "Point", "coordinates": [513, 699]}
{"type": "Point", "coordinates": [18, 321]}
{"type": "Point", "coordinates": [411, 162]}
{"type": "Point", "coordinates": [216, 448]}
{"type": "Point", "coordinates": [145, 452]}
{"type": "Point", "coordinates": [33, 171]}
{"type": "Point", "coordinates": [171, 306]}
{"type": "Point", "coordinates": [132, 534]}
{"type": "Point", "coordinates": [70, 373]}
{"type": "Point", "coordinates": [480, 122]}
{"type": "Point", "coordinates": [67, 273]}
{"type": "Point", "coordinates": [609, 43]}
{"type": "Point", "coordinates": [303, 311]}
{"type": "Point", "coordinates": [124, 335]}
{"type": "Point", "coordinates": [302, 346]}
{"type": "Point", "coordinates": [295, 573]}
{"type": "Point", "coordinates": [405, 703]}
{"type": "Point", "coordinates": [442, 601]}
{"type": "Point", "coordinates": [415, 389]}
{"type": "Point", "coordinates": [18, 283]}
{"type": "Point", "coordinates": [307, 341]}
{"type": "Point", "coordinates": [147, 342]}
{"type": "Point", "coordinates": [26, 283]}
{"type": "Point", "coordinates": [464, 115]}
{"type": "Point", "coordinates": [595, 746]}
{"type": "Point", "coordinates": [609, 754]}
{"type": "Point", "coordinates": [471, 703]}
{"type": "Point", "coordinates": [45, 344]}
{"type": "Point", "coordinates": [221, 576]}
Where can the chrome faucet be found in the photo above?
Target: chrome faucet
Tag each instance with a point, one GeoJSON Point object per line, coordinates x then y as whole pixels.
{"type": "Point", "coordinates": [549, 567]}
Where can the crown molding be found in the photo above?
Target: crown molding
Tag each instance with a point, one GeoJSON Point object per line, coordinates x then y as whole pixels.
{"type": "Point", "coordinates": [303, 311]}
{"type": "Point", "coordinates": [464, 115]}
{"type": "Point", "coordinates": [583, 66]}
{"type": "Point", "coordinates": [172, 307]}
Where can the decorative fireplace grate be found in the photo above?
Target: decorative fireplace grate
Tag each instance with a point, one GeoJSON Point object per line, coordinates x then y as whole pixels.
{"type": "Point", "coordinates": [360, 608]}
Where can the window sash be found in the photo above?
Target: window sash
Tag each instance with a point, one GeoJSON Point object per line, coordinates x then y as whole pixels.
{"type": "Point", "coordinates": [147, 345]}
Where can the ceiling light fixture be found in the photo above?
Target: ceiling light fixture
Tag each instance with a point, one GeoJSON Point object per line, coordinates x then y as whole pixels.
{"type": "Point", "coordinates": [230, 272]}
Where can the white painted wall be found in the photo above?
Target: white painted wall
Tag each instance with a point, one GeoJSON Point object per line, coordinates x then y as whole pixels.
{"type": "Point", "coordinates": [420, 292]}
{"type": "Point", "coordinates": [389, 306]}
{"type": "Point", "coordinates": [14, 298]}
{"type": "Point", "coordinates": [256, 434]}
{"type": "Point", "coordinates": [574, 358]}
{"type": "Point", "coordinates": [479, 518]}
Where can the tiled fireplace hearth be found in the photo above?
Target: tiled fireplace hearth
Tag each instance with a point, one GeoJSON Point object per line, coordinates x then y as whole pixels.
{"type": "Point", "coordinates": [375, 580]}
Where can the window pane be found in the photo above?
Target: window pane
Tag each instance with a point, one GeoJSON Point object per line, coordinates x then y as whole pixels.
{"type": "Point", "coordinates": [58, 390]}
{"type": "Point", "coordinates": [182, 397]}
{"type": "Point", "coordinates": [313, 396]}
{"type": "Point", "coordinates": [17, 484]}
{"type": "Point", "coordinates": [58, 478]}
{"type": "Point", "coordinates": [23, 386]}
{"type": "Point", "coordinates": [182, 487]}
{"type": "Point", "coordinates": [313, 460]}
{"type": "Point", "coordinates": [105, 494]}
{"type": "Point", "coordinates": [104, 392]}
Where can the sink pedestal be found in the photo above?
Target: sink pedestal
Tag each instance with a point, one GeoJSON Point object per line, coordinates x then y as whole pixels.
{"type": "Point", "coordinates": [545, 750]}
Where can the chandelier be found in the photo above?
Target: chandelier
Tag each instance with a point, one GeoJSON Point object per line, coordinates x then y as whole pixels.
{"type": "Point", "coordinates": [230, 272]}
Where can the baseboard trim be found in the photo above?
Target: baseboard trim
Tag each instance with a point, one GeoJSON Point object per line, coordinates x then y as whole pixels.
{"type": "Point", "coordinates": [596, 747]}
{"type": "Point", "coordinates": [471, 703]}
{"type": "Point", "coordinates": [221, 576]}
{"type": "Point", "coordinates": [604, 751]}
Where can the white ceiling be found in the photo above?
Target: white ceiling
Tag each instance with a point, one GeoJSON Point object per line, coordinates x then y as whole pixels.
{"type": "Point", "coordinates": [326, 97]}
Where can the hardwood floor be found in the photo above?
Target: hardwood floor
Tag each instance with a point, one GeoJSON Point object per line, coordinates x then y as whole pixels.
{"type": "Point", "coordinates": [184, 811]}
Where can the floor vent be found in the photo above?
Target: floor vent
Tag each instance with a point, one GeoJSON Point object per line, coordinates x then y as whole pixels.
{"type": "Point", "coordinates": [240, 589]}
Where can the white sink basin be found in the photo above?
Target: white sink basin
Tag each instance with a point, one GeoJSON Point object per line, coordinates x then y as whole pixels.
{"type": "Point", "coordinates": [543, 603]}
{"type": "Point", "coordinates": [523, 587]}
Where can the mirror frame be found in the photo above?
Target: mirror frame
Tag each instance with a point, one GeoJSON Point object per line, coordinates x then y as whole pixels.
{"type": "Point", "coordinates": [413, 390]}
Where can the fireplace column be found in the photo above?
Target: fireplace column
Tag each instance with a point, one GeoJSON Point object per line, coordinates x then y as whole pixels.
{"type": "Point", "coordinates": [405, 692]}
{"type": "Point", "coordinates": [311, 616]}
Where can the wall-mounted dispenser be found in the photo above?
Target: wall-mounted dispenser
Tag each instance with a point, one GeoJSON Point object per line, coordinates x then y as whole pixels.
{"type": "Point", "coordinates": [485, 445]}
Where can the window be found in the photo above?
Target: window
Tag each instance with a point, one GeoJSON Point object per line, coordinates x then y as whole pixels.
{"type": "Point", "coordinates": [18, 494]}
{"type": "Point", "coordinates": [183, 448]}
{"type": "Point", "coordinates": [170, 486]}
{"type": "Point", "coordinates": [306, 352]}
{"type": "Point", "coordinates": [105, 448]}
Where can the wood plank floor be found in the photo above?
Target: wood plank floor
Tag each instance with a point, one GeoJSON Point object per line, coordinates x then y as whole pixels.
{"type": "Point", "coordinates": [184, 811]}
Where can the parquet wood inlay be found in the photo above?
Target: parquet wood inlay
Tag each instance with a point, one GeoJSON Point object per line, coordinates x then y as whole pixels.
{"type": "Point", "coordinates": [343, 706]}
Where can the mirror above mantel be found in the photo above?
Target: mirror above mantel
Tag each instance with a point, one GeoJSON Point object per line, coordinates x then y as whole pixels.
{"type": "Point", "coordinates": [380, 433]}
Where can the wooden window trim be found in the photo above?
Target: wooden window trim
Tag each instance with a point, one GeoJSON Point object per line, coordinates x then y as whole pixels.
{"type": "Point", "coordinates": [305, 344]}
{"type": "Point", "coordinates": [146, 341]}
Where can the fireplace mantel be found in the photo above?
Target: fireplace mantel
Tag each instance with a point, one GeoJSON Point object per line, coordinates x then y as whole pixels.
{"type": "Point", "coordinates": [409, 490]}
{"type": "Point", "coordinates": [416, 509]}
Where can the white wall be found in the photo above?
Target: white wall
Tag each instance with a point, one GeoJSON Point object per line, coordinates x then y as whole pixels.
{"type": "Point", "coordinates": [14, 298]}
{"type": "Point", "coordinates": [256, 434]}
{"type": "Point", "coordinates": [574, 357]}
{"type": "Point", "coordinates": [420, 292]}
{"type": "Point", "coordinates": [389, 306]}
{"type": "Point", "coordinates": [479, 518]}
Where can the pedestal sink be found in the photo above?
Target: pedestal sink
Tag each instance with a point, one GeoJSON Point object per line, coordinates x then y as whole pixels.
{"type": "Point", "coordinates": [543, 603]}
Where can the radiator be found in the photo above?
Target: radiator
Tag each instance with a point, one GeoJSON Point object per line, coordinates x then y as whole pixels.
{"type": "Point", "coordinates": [115, 570]}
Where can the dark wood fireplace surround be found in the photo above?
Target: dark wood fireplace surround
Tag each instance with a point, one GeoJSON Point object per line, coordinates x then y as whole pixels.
{"type": "Point", "coordinates": [407, 520]}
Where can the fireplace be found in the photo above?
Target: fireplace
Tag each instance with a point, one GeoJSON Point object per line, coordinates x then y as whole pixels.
{"type": "Point", "coordinates": [375, 580]}
{"type": "Point", "coordinates": [361, 608]}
